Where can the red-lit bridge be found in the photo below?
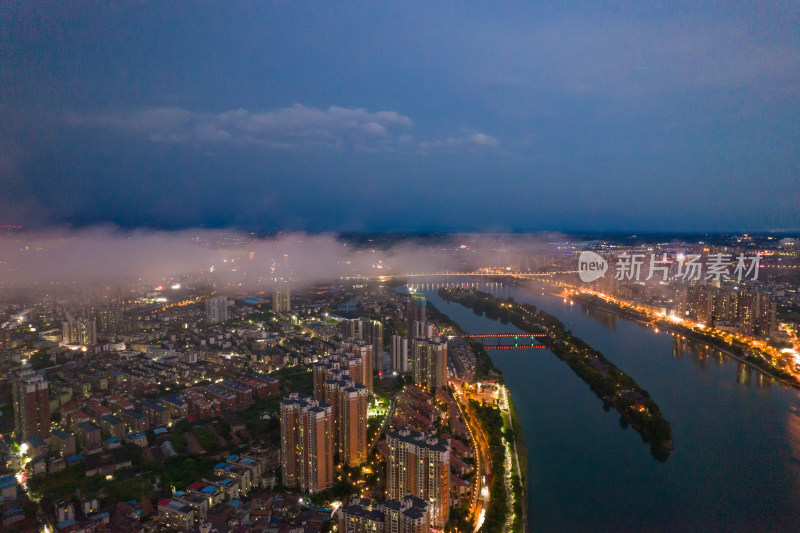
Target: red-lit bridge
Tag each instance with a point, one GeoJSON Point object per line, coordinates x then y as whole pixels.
{"type": "Point", "coordinates": [504, 335]}
{"type": "Point", "coordinates": [513, 346]}
{"type": "Point", "coordinates": [522, 341]}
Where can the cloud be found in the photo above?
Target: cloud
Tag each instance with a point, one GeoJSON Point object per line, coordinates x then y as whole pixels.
{"type": "Point", "coordinates": [297, 126]}
{"type": "Point", "coordinates": [624, 57]}
{"type": "Point", "coordinates": [483, 139]}
{"type": "Point", "coordinates": [374, 128]}
{"type": "Point", "coordinates": [477, 138]}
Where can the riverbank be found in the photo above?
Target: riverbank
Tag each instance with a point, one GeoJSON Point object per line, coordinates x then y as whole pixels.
{"type": "Point", "coordinates": [485, 368]}
{"type": "Point", "coordinates": [519, 480]}
{"type": "Point", "coordinates": [575, 447]}
{"type": "Point", "coordinates": [736, 352]}
{"type": "Point", "coordinates": [608, 382]}
{"type": "Point", "coordinates": [504, 432]}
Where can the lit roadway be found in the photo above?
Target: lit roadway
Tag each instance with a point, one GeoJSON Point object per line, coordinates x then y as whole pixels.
{"type": "Point", "coordinates": [386, 420]}
{"type": "Point", "coordinates": [20, 475]}
{"type": "Point", "coordinates": [767, 353]}
{"type": "Point", "coordinates": [512, 457]}
{"type": "Point", "coordinates": [480, 496]}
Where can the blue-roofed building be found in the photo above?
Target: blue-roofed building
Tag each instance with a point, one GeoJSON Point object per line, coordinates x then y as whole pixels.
{"type": "Point", "coordinates": [196, 501]}
{"type": "Point", "coordinates": [244, 395]}
{"type": "Point", "coordinates": [229, 488]}
{"type": "Point", "coordinates": [157, 415]}
{"type": "Point", "coordinates": [176, 405]}
{"type": "Point", "coordinates": [223, 398]}
{"type": "Point", "coordinates": [175, 515]}
{"type": "Point", "coordinates": [112, 425]}
{"type": "Point", "coordinates": [8, 488]}
{"type": "Point", "coordinates": [62, 443]}
{"type": "Point", "coordinates": [12, 516]}
{"type": "Point", "coordinates": [36, 446]}
{"type": "Point", "coordinates": [66, 524]}
{"type": "Point", "coordinates": [135, 421]}
{"type": "Point", "coordinates": [242, 475]}
{"type": "Point", "coordinates": [254, 300]}
{"type": "Point", "coordinates": [89, 435]}
{"type": "Point", "coordinates": [140, 439]}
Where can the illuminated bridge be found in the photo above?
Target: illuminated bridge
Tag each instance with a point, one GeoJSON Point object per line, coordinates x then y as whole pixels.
{"type": "Point", "coordinates": [522, 341]}
{"type": "Point", "coordinates": [480, 273]}
{"type": "Point", "coordinates": [504, 335]}
{"type": "Point", "coordinates": [485, 273]}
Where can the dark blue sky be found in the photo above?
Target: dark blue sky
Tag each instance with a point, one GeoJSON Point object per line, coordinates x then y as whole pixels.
{"type": "Point", "coordinates": [401, 116]}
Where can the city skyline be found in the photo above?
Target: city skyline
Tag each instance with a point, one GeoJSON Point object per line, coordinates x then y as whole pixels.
{"type": "Point", "coordinates": [287, 117]}
{"type": "Point", "coordinates": [399, 267]}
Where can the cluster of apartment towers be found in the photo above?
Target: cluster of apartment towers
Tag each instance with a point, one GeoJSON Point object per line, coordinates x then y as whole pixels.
{"type": "Point", "coordinates": [333, 423]}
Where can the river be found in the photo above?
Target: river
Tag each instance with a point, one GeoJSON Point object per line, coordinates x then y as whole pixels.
{"type": "Point", "coordinates": [736, 464]}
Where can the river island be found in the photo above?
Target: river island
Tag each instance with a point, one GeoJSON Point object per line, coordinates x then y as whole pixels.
{"type": "Point", "coordinates": [609, 383]}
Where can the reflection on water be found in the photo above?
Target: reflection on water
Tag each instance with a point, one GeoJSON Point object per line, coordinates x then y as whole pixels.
{"type": "Point", "coordinates": [495, 288]}
{"type": "Point", "coordinates": [793, 438]}
{"type": "Point", "coordinates": [604, 317]}
{"type": "Point", "coordinates": [793, 434]}
{"type": "Point", "coordinates": [703, 355]}
{"type": "Point", "coordinates": [736, 466]}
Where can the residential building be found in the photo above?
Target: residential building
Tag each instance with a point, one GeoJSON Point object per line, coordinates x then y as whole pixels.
{"type": "Point", "coordinates": [419, 465]}
{"type": "Point", "coordinates": [415, 315]}
{"type": "Point", "coordinates": [31, 405]}
{"type": "Point", "coordinates": [89, 436]}
{"type": "Point", "coordinates": [349, 405]}
{"type": "Point", "coordinates": [82, 332]}
{"type": "Point", "coordinates": [306, 443]}
{"type": "Point", "coordinates": [399, 353]}
{"type": "Point", "coordinates": [216, 309]}
{"type": "Point", "coordinates": [430, 363]}
{"type": "Point", "coordinates": [408, 515]}
{"type": "Point", "coordinates": [175, 515]}
{"type": "Point", "coordinates": [62, 443]}
{"type": "Point", "coordinates": [281, 300]}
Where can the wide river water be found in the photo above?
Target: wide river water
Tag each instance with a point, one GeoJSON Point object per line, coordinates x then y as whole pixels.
{"type": "Point", "coordinates": [736, 464]}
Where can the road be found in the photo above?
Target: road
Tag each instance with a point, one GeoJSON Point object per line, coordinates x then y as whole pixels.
{"type": "Point", "coordinates": [40, 516]}
{"type": "Point", "coordinates": [771, 356]}
{"type": "Point", "coordinates": [512, 455]}
{"type": "Point", "coordinates": [480, 494]}
{"type": "Point", "coordinates": [386, 420]}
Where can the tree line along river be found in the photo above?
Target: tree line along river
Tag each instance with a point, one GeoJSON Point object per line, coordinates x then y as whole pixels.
{"type": "Point", "coordinates": [736, 464]}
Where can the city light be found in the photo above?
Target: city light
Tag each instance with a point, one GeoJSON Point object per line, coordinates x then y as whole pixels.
{"type": "Point", "coordinates": [441, 229]}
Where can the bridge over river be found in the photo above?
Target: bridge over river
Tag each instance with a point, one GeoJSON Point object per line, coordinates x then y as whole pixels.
{"type": "Point", "coordinates": [521, 341]}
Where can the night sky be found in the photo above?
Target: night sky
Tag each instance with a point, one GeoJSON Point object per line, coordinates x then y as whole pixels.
{"type": "Point", "coordinates": [401, 116]}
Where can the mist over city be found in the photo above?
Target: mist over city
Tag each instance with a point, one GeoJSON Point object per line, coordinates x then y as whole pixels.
{"type": "Point", "coordinates": [244, 261]}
